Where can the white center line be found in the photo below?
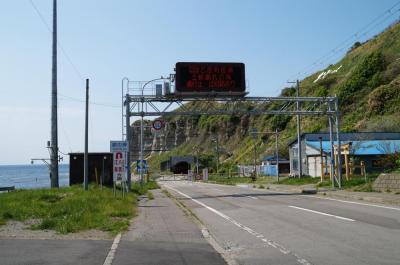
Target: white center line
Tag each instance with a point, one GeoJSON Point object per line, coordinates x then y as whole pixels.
{"type": "Point", "coordinates": [251, 197]}
{"type": "Point", "coordinates": [269, 242]}
{"type": "Point", "coordinates": [321, 213]}
{"type": "Point", "coordinates": [111, 253]}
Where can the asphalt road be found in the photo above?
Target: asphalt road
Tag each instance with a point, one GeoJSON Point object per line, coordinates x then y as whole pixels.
{"type": "Point", "coordinates": [263, 227]}
{"type": "Point", "coordinates": [49, 252]}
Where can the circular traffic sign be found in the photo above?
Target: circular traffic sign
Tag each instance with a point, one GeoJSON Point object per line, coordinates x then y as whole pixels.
{"type": "Point", "coordinates": [158, 125]}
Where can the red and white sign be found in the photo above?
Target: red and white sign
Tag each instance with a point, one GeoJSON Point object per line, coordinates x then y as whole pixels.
{"type": "Point", "coordinates": [120, 150]}
{"type": "Point", "coordinates": [119, 166]}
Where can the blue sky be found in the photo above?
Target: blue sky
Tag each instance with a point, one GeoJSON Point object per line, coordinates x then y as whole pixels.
{"type": "Point", "coordinates": [107, 40]}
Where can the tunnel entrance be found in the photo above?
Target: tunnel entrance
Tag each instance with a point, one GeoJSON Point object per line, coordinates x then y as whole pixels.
{"type": "Point", "coordinates": [177, 164]}
{"type": "Point", "coordinates": [181, 168]}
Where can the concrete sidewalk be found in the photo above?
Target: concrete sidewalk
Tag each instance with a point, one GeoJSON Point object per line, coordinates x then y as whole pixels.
{"type": "Point", "coordinates": [163, 234]}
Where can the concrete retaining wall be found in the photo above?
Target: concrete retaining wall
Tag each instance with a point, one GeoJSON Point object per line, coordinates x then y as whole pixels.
{"type": "Point", "coordinates": [387, 182]}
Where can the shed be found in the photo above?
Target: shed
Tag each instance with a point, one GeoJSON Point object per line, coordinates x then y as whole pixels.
{"type": "Point", "coordinates": [100, 168]}
{"type": "Point", "coordinates": [268, 165]}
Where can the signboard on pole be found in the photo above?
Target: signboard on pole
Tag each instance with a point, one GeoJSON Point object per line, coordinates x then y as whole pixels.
{"type": "Point", "coordinates": [120, 151]}
{"type": "Point", "coordinates": [211, 78]}
{"type": "Point", "coordinates": [158, 125]}
{"type": "Point", "coordinates": [141, 166]}
{"type": "Point", "coordinates": [119, 168]}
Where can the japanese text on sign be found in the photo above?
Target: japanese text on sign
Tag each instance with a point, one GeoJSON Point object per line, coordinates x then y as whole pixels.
{"type": "Point", "coordinates": [207, 77]}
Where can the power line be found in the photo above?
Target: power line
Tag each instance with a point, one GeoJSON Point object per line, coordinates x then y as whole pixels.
{"type": "Point", "coordinates": [90, 102]}
{"type": "Point", "coordinates": [344, 44]}
{"type": "Point", "coordinates": [77, 72]}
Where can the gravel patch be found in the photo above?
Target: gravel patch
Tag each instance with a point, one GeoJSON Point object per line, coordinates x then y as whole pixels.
{"type": "Point", "coordinates": [21, 230]}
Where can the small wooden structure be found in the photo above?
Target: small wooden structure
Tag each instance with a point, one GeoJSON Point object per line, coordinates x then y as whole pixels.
{"type": "Point", "coordinates": [348, 165]}
{"type": "Point", "coordinates": [100, 168]}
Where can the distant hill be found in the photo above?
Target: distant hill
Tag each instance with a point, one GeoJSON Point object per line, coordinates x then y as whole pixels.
{"type": "Point", "coordinates": [367, 81]}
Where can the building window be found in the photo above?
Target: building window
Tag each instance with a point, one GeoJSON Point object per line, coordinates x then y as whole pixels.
{"type": "Point", "coordinates": [295, 166]}
{"type": "Point", "coordinates": [376, 163]}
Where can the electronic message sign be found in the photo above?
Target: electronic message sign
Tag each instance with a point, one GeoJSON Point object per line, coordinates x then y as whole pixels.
{"type": "Point", "coordinates": [193, 78]}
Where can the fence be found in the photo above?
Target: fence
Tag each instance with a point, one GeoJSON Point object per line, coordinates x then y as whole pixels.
{"type": "Point", "coordinates": [267, 170]}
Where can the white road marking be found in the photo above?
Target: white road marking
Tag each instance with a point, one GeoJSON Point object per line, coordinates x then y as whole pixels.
{"type": "Point", "coordinates": [111, 253]}
{"type": "Point", "coordinates": [271, 243]}
{"type": "Point", "coordinates": [323, 198]}
{"type": "Point", "coordinates": [321, 213]}
{"type": "Point", "coordinates": [251, 197]}
{"type": "Point", "coordinates": [351, 202]}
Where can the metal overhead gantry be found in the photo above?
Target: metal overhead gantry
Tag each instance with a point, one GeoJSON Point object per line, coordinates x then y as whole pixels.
{"type": "Point", "coordinates": [154, 104]}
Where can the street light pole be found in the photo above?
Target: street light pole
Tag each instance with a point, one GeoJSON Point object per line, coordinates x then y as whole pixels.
{"type": "Point", "coordinates": [141, 163]}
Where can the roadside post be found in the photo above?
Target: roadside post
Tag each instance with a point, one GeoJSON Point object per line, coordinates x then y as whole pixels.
{"type": "Point", "coordinates": [141, 168]}
{"type": "Point", "coordinates": [205, 174]}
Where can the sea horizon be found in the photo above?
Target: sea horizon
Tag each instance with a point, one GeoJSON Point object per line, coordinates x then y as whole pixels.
{"type": "Point", "coordinates": [31, 176]}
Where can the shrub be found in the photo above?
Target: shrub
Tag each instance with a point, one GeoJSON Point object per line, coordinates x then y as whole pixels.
{"type": "Point", "coordinates": [371, 65]}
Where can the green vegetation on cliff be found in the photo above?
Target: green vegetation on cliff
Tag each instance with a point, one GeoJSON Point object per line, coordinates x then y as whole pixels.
{"type": "Point", "coordinates": [367, 82]}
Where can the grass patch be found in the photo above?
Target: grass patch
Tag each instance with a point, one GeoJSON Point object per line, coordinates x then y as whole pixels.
{"type": "Point", "coordinates": [141, 190]}
{"type": "Point", "coordinates": [150, 195]}
{"type": "Point", "coordinates": [298, 181]}
{"type": "Point", "coordinates": [354, 183]}
{"type": "Point", "coordinates": [69, 209]}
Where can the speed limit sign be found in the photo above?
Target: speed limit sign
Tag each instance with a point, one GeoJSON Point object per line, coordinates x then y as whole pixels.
{"type": "Point", "coordinates": [158, 125]}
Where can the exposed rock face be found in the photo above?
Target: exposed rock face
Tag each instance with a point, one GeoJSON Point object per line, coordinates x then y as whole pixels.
{"type": "Point", "coordinates": [155, 142]}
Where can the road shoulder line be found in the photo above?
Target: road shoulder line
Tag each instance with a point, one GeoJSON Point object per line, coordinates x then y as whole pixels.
{"type": "Point", "coordinates": [111, 253]}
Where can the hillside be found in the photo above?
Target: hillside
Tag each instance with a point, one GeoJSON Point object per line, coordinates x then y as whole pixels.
{"type": "Point", "coordinates": [367, 81]}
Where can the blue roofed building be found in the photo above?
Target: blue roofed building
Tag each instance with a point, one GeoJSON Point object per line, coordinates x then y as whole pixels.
{"type": "Point", "coordinates": [370, 147]}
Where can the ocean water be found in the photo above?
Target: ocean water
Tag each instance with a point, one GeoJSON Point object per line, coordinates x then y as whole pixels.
{"type": "Point", "coordinates": [31, 176]}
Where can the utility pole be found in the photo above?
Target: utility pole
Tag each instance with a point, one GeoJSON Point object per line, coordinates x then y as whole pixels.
{"type": "Point", "coordinates": [86, 157]}
{"type": "Point", "coordinates": [217, 142]}
{"type": "Point", "coordinates": [254, 135]}
{"type": "Point", "coordinates": [277, 154]}
{"type": "Point", "coordinates": [321, 157]}
{"type": "Point", "coordinates": [54, 132]}
{"type": "Point", "coordinates": [300, 163]}
{"type": "Point", "coordinates": [255, 159]}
